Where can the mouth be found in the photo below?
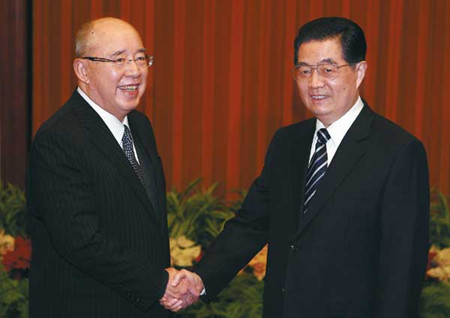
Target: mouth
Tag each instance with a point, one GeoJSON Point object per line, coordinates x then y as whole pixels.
{"type": "Point", "coordinates": [318, 97]}
{"type": "Point", "coordinates": [129, 88]}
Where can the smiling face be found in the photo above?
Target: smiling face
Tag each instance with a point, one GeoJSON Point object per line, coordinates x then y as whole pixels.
{"type": "Point", "coordinates": [329, 99]}
{"type": "Point", "coordinates": [118, 90]}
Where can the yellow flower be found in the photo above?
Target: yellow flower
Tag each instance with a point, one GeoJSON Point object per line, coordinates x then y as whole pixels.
{"type": "Point", "coordinates": [441, 273]}
{"type": "Point", "coordinates": [6, 242]}
{"type": "Point", "coordinates": [258, 263]}
{"type": "Point", "coordinates": [183, 251]}
{"type": "Point", "coordinates": [441, 270]}
{"type": "Point", "coordinates": [443, 257]}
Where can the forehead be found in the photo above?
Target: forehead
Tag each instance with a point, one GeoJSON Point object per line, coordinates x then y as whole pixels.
{"type": "Point", "coordinates": [314, 52]}
{"type": "Point", "coordinates": [111, 38]}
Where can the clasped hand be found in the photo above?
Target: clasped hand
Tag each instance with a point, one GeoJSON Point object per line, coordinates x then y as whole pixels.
{"type": "Point", "coordinates": [183, 289]}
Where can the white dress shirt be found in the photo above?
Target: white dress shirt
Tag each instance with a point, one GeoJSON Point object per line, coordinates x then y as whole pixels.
{"type": "Point", "coordinates": [337, 130]}
{"type": "Point", "coordinates": [114, 124]}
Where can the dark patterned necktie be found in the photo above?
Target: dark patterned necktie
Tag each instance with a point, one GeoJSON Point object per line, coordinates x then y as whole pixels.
{"type": "Point", "coordinates": [317, 166]}
{"type": "Point", "coordinates": [127, 143]}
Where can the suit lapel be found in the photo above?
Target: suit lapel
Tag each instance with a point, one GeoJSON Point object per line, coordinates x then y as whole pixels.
{"type": "Point", "coordinates": [350, 151]}
{"type": "Point", "coordinates": [102, 138]}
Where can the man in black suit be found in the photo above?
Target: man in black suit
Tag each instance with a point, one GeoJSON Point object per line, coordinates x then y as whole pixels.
{"type": "Point", "coordinates": [96, 190]}
{"type": "Point", "coordinates": [342, 200]}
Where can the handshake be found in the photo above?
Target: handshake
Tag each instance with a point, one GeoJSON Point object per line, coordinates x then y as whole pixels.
{"type": "Point", "coordinates": [183, 289]}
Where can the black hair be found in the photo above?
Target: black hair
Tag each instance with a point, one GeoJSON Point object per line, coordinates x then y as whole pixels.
{"type": "Point", "coordinates": [351, 36]}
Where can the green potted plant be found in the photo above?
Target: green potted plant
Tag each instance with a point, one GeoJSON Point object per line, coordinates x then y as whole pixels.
{"type": "Point", "coordinates": [435, 299]}
{"type": "Point", "coordinates": [15, 251]}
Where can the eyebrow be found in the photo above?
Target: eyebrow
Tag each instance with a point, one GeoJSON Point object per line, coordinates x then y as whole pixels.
{"type": "Point", "coordinates": [142, 50]}
{"type": "Point", "coordinates": [117, 53]}
{"type": "Point", "coordinates": [328, 60]}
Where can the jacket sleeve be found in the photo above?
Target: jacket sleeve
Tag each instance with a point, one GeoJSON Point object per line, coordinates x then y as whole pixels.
{"type": "Point", "coordinates": [404, 234]}
{"type": "Point", "coordinates": [242, 237]}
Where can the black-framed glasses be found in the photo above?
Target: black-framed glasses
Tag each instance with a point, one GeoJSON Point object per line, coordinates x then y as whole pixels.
{"type": "Point", "coordinates": [326, 70]}
{"type": "Point", "coordinates": [141, 61]}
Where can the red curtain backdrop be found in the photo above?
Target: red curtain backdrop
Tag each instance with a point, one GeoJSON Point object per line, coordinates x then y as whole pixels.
{"type": "Point", "coordinates": [14, 88]}
{"type": "Point", "coordinates": [221, 82]}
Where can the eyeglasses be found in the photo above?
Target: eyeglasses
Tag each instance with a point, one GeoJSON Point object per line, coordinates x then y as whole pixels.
{"type": "Point", "coordinates": [326, 70]}
{"type": "Point", "coordinates": [141, 61]}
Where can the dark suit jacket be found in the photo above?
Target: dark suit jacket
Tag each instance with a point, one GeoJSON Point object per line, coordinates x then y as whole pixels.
{"type": "Point", "coordinates": [99, 241]}
{"type": "Point", "coordinates": [360, 251]}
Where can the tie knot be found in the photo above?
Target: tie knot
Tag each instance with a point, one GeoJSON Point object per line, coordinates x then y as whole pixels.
{"type": "Point", "coordinates": [323, 135]}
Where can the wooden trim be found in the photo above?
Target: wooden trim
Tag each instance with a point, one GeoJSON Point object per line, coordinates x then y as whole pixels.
{"type": "Point", "coordinates": [14, 90]}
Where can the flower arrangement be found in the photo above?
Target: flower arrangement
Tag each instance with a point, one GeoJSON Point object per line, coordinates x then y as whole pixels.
{"type": "Point", "coordinates": [15, 253]}
{"type": "Point", "coordinates": [195, 217]}
{"type": "Point", "coordinates": [435, 300]}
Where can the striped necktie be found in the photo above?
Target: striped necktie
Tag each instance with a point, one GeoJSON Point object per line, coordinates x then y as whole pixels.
{"type": "Point", "coordinates": [317, 166]}
{"type": "Point", "coordinates": [127, 143]}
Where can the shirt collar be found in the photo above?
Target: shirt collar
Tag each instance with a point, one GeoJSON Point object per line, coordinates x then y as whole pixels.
{"type": "Point", "coordinates": [339, 128]}
{"type": "Point", "coordinates": [115, 125]}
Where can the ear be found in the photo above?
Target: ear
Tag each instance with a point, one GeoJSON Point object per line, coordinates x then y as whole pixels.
{"type": "Point", "coordinates": [81, 70]}
{"type": "Point", "coordinates": [361, 68]}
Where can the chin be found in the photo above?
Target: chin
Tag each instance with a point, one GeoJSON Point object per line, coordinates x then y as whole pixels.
{"type": "Point", "coordinates": [130, 103]}
{"type": "Point", "coordinates": [319, 110]}
{"type": "Point", "coordinates": [128, 108]}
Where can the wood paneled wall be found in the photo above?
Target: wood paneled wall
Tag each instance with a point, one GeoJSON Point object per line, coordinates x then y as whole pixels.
{"type": "Point", "coordinates": [221, 84]}
{"type": "Point", "coordinates": [14, 90]}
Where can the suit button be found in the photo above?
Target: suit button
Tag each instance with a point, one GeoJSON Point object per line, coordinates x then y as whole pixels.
{"type": "Point", "coordinates": [283, 290]}
{"type": "Point", "coordinates": [293, 248]}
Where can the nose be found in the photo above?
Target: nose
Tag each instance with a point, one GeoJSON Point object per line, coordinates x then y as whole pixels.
{"type": "Point", "coordinates": [315, 80]}
{"type": "Point", "coordinates": [132, 69]}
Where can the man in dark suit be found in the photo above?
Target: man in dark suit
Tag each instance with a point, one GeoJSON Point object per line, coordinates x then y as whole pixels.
{"type": "Point", "coordinates": [96, 190]}
{"type": "Point", "coordinates": [342, 200]}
